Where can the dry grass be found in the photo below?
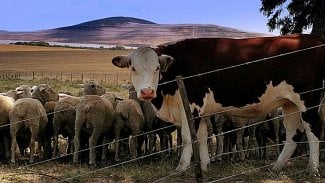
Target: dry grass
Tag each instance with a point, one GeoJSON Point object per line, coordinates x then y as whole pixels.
{"type": "Point", "coordinates": [50, 62]}
{"type": "Point", "coordinates": [26, 58]}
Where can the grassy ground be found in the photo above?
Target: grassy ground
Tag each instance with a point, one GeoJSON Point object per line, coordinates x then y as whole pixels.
{"type": "Point", "coordinates": [159, 169]}
{"type": "Point", "coordinates": [57, 60]}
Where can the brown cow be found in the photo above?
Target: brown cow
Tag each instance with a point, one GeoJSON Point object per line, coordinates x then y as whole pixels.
{"type": "Point", "coordinates": [231, 76]}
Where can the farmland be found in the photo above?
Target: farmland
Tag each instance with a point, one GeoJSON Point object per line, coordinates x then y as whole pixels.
{"type": "Point", "coordinates": [48, 63]}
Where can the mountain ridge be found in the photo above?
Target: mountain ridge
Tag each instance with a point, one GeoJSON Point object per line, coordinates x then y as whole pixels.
{"type": "Point", "coordinates": [107, 22]}
{"type": "Point", "coordinates": [127, 31]}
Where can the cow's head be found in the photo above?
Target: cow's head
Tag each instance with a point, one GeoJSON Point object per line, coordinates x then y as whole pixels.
{"type": "Point", "coordinates": [145, 66]}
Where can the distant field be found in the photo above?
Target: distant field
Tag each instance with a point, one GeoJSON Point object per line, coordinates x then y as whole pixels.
{"type": "Point", "coordinates": [57, 62]}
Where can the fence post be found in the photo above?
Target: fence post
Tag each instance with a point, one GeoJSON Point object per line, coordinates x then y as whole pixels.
{"type": "Point", "coordinates": [195, 145]}
{"type": "Point", "coordinates": [82, 77]}
{"type": "Point", "coordinates": [33, 75]}
{"type": "Point", "coordinates": [71, 77]}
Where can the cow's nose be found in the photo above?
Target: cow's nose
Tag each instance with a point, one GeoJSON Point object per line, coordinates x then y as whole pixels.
{"type": "Point", "coordinates": [147, 93]}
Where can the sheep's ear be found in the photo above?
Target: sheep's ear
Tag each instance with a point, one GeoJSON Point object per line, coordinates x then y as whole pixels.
{"type": "Point", "coordinates": [121, 61]}
{"type": "Point", "coordinates": [41, 88]}
{"type": "Point", "coordinates": [165, 62]}
{"type": "Point", "coordinates": [19, 92]}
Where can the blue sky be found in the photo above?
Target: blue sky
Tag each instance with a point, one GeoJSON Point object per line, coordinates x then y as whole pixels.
{"type": "Point", "coordinates": [30, 15]}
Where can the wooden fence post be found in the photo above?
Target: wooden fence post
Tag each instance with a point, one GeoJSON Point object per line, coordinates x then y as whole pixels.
{"type": "Point", "coordinates": [195, 144]}
{"type": "Point", "coordinates": [33, 75]}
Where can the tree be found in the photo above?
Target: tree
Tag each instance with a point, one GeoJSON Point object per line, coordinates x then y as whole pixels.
{"type": "Point", "coordinates": [294, 16]}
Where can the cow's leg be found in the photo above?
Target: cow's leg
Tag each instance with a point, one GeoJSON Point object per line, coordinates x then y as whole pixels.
{"type": "Point", "coordinates": [185, 159]}
{"type": "Point", "coordinates": [313, 163]}
{"type": "Point", "coordinates": [202, 136]}
{"type": "Point", "coordinates": [292, 123]}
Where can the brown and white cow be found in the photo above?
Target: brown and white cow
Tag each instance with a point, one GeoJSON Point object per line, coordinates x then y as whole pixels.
{"type": "Point", "coordinates": [215, 84]}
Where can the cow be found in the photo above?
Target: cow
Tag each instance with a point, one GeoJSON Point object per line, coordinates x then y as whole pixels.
{"type": "Point", "coordinates": [239, 77]}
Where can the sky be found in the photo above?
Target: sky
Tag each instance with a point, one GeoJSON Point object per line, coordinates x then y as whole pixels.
{"type": "Point", "coordinates": [33, 15]}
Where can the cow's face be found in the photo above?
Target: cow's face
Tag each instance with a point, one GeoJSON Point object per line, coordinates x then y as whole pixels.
{"type": "Point", "coordinates": [145, 66]}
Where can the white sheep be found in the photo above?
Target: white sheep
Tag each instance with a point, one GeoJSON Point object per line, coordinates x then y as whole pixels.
{"type": "Point", "coordinates": [65, 114]}
{"type": "Point", "coordinates": [6, 104]}
{"type": "Point", "coordinates": [22, 91]}
{"type": "Point", "coordinates": [30, 113]}
{"type": "Point", "coordinates": [129, 118]}
{"type": "Point", "coordinates": [94, 114]}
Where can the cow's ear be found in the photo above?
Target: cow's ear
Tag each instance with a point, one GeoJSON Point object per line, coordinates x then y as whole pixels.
{"type": "Point", "coordinates": [121, 61]}
{"type": "Point", "coordinates": [165, 61]}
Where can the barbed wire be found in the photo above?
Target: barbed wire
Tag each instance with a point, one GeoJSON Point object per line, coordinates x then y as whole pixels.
{"type": "Point", "coordinates": [104, 144]}
{"type": "Point", "coordinates": [247, 63]}
{"type": "Point", "coordinates": [198, 140]}
{"type": "Point", "coordinates": [243, 64]}
{"type": "Point", "coordinates": [245, 172]}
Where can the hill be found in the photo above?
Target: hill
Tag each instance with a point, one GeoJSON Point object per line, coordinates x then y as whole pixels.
{"type": "Point", "coordinates": [126, 31]}
{"type": "Point", "coordinates": [106, 22]}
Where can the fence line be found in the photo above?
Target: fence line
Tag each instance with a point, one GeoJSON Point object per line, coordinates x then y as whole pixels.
{"type": "Point", "coordinates": [223, 133]}
{"type": "Point", "coordinates": [61, 76]}
{"type": "Point", "coordinates": [247, 64]}
{"type": "Point", "coordinates": [312, 90]}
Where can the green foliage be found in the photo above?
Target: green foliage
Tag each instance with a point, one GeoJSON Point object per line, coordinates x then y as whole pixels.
{"type": "Point", "coordinates": [289, 16]}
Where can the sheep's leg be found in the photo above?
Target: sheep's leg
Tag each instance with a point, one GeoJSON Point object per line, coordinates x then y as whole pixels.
{"type": "Point", "coordinates": [179, 141]}
{"type": "Point", "coordinates": [239, 144]}
{"type": "Point", "coordinates": [252, 142]}
{"type": "Point", "coordinates": [92, 144]}
{"type": "Point", "coordinates": [220, 140]}
{"type": "Point", "coordinates": [34, 133]}
{"type": "Point", "coordinates": [55, 143]}
{"type": "Point", "coordinates": [134, 142]}
{"type": "Point", "coordinates": [76, 142]}
{"type": "Point", "coordinates": [104, 151]}
{"type": "Point", "coordinates": [117, 144]}
{"type": "Point", "coordinates": [6, 145]}
{"type": "Point", "coordinates": [14, 145]}
{"type": "Point", "coordinates": [276, 126]}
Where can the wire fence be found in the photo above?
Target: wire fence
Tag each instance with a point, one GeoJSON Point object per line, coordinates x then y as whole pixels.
{"type": "Point", "coordinates": [71, 77]}
{"type": "Point", "coordinates": [110, 78]}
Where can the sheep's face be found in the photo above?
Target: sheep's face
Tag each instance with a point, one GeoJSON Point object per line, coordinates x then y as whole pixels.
{"type": "Point", "coordinates": [47, 93]}
{"type": "Point", "coordinates": [24, 91]}
{"type": "Point", "coordinates": [93, 88]}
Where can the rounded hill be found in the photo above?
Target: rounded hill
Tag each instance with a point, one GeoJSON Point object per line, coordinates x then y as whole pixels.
{"type": "Point", "coordinates": [107, 22]}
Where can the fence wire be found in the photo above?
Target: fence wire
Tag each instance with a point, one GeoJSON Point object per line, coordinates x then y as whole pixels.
{"type": "Point", "coordinates": [145, 133]}
{"type": "Point", "coordinates": [201, 74]}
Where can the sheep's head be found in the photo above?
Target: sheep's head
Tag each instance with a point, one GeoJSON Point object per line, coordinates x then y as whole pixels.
{"type": "Point", "coordinates": [23, 91]}
{"type": "Point", "coordinates": [45, 93]}
{"type": "Point", "coordinates": [93, 88]}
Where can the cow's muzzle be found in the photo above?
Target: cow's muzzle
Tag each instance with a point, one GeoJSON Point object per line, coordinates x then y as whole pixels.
{"type": "Point", "coordinates": [147, 93]}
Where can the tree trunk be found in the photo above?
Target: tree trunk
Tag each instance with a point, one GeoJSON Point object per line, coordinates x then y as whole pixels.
{"type": "Point", "coordinates": [319, 19]}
